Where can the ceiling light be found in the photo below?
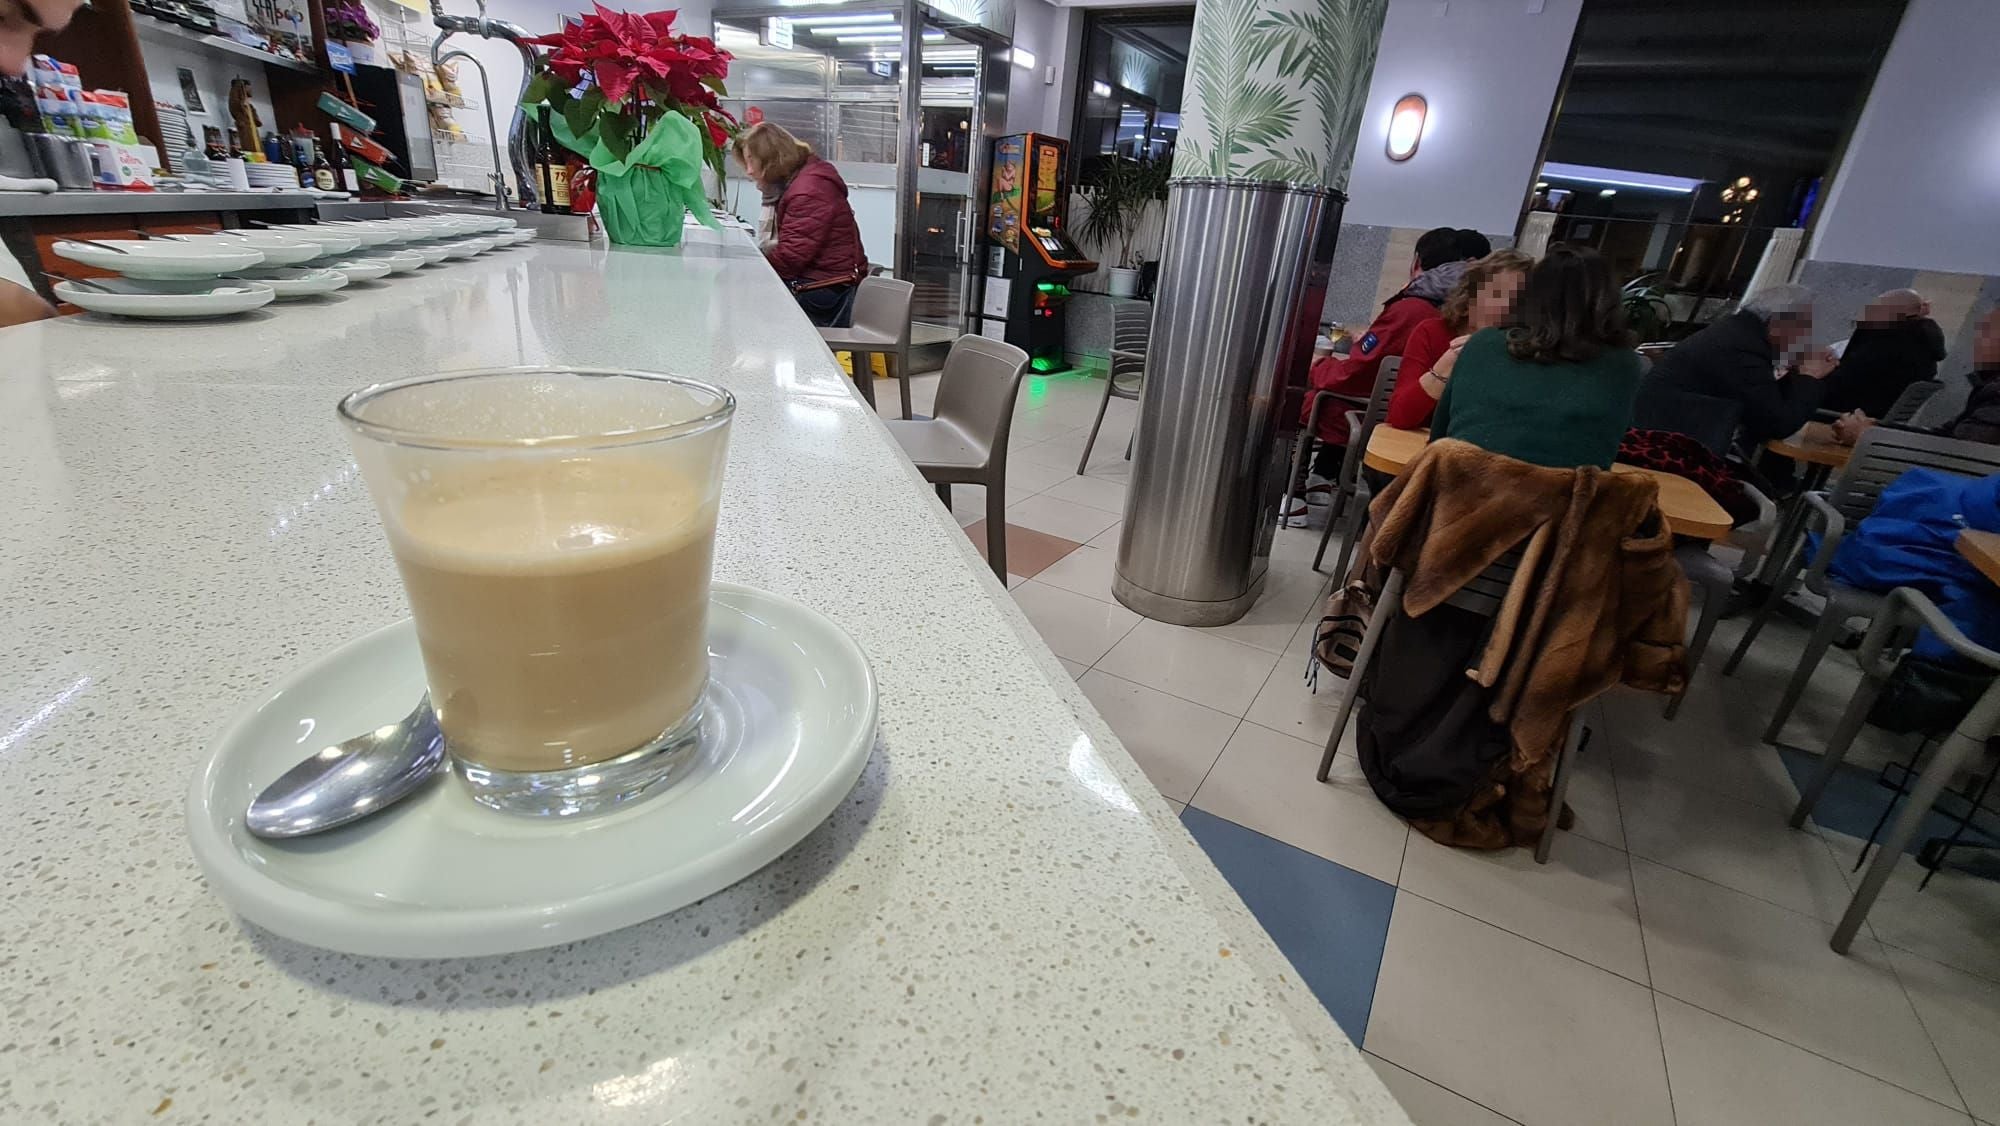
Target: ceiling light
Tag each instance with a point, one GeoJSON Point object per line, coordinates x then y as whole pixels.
{"type": "Point", "coordinates": [895, 36]}
{"type": "Point", "coordinates": [1406, 126]}
{"type": "Point", "coordinates": [1607, 193]}
{"type": "Point", "coordinates": [836, 21]}
{"type": "Point", "coordinates": [1541, 185]}
{"type": "Point", "coordinates": [1101, 89]}
{"type": "Point", "coordinates": [1619, 178]}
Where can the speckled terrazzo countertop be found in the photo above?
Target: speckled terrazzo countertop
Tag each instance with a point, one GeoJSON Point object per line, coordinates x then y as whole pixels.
{"type": "Point", "coordinates": [1003, 923]}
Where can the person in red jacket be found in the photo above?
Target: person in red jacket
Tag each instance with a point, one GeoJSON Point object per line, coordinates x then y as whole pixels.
{"type": "Point", "coordinates": [815, 244]}
{"type": "Point", "coordinates": [1441, 257]}
{"type": "Point", "coordinates": [1483, 298]}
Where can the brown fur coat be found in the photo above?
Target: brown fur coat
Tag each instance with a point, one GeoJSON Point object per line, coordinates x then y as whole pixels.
{"type": "Point", "coordinates": [1599, 600]}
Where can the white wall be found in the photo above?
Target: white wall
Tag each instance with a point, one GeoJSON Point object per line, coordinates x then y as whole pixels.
{"type": "Point", "coordinates": [1041, 29]}
{"type": "Point", "coordinates": [1489, 71]}
{"type": "Point", "coordinates": [1919, 186]}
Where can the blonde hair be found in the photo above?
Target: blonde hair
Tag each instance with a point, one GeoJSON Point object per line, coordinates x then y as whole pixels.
{"type": "Point", "coordinates": [1457, 308]}
{"type": "Point", "coordinates": [779, 155]}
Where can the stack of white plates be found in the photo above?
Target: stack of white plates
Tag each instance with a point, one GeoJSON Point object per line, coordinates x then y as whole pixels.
{"type": "Point", "coordinates": [294, 281]}
{"type": "Point", "coordinates": [163, 259]}
{"type": "Point", "coordinates": [266, 174]}
{"type": "Point", "coordinates": [166, 300]}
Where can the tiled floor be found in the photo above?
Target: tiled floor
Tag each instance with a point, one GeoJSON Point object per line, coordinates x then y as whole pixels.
{"type": "Point", "coordinates": [1669, 965]}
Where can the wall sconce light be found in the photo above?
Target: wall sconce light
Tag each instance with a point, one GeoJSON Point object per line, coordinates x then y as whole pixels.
{"type": "Point", "coordinates": [1406, 126]}
{"type": "Point", "coordinates": [1101, 89]}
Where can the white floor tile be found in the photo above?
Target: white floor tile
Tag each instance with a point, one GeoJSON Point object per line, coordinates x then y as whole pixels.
{"type": "Point", "coordinates": [1061, 451]}
{"type": "Point", "coordinates": [1190, 664]}
{"type": "Point", "coordinates": [1746, 847]}
{"type": "Point", "coordinates": [1285, 703]}
{"type": "Point", "coordinates": [1108, 538]}
{"type": "Point", "coordinates": [1078, 628]}
{"type": "Point", "coordinates": [1059, 518]}
{"type": "Point", "coordinates": [1538, 1036]}
{"type": "Point", "coordinates": [1761, 965]}
{"type": "Point", "coordinates": [1031, 427]}
{"type": "Point", "coordinates": [1724, 1074]}
{"type": "Point", "coordinates": [1962, 1014]}
{"type": "Point", "coordinates": [1092, 492]}
{"type": "Point", "coordinates": [1593, 798]}
{"type": "Point", "coordinates": [1956, 920]}
{"type": "Point", "coordinates": [1292, 593]}
{"type": "Point", "coordinates": [1086, 571]}
{"type": "Point", "coordinates": [1580, 902]}
{"type": "Point", "coordinates": [1709, 745]}
{"type": "Point", "coordinates": [1264, 781]}
{"type": "Point", "coordinates": [1173, 741]}
{"type": "Point", "coordinates": [1428, 1104]}
{"type": "Point", "coordinates": [968, 503]}
{"type": "Point", "coordinates": [1074, 669]}
{"type": "Point", "coordinates": [1026, 479]}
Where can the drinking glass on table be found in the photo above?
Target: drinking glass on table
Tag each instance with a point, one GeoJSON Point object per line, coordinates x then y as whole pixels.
{"type": "Point", "coordinates": [555, 530]}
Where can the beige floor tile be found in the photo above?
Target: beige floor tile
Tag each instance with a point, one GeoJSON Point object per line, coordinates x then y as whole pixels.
{"type": "Point", "coordinates": [1026, 479]}
{"type": "Point", "coordinates": [1746, 847]}
{"type": "Point", "coordinates": [1173, 741]}
{"type": "Point", "coordinates": [1428, 1104]}
{"type": "Point", "coordinates": [1092, 492]}
{"type": "Point", "coordinates": [1078, 628]}
{"type": "Point", "coordinates": [1709, 745]}
{"type": "Point", "coordinates": [1761, 965]}
{"type": "Point", "coordinates": [1176, 806]}
{"type": "Point", "coordinates": [1190, 664]}
{"type": "Point", "coordinates": [1956, 920]}
{"type": "Point", "coordinates": [1061, 451]}
{"type": "Point", "coordinates": [1264, 781]}
{"type": "Point", "coordinates": [1086, 571]}
{"type": "Point", "coordinates": [1580, 902]}
{"type": "Point", "coordinates": [1724, 1074]}
{"type": "Point", "coordinates": [1537, 1036]}
{"type": "Point", "coordinates": [1034, 426]}
{"type": "Point", "coordinates": [1060, 518]}
{"type": "Point", "coordinates": [1074, 669]}
{"type": "Point", "coordinates": [1962, 1014]}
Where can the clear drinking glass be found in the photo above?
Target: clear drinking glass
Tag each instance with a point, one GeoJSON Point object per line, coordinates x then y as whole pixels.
{"type": "Point", "coordinates": [555, 530]}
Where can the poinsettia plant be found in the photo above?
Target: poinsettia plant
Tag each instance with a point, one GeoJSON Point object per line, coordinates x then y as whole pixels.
{"type": "Point", "coordinates": [612, 76]}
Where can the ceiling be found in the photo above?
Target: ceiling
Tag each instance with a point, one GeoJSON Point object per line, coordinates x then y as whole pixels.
{"type": "Point", "coordinates": [1708, 88]}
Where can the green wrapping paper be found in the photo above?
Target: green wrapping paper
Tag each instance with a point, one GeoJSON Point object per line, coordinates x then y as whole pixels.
{"type": "Point", "coordinates": [641, 197]}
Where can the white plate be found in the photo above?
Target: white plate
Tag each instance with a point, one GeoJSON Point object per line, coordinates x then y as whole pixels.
{"type": "Point", "coordinates": [299, 281]}
{"type": "Point", "coordinates": [332, 243]}
{"type": "Point", "coordinates": [364, 269]}
{"type": "Point", "coordinates": [370, 234]}
{"type": "Point", "coordinates": [403, 261]}
{"type": "Point", "coordinates": [466, 248]}
{"type": "Point", "coordinates": [431, 252]}
{"type": "Point", "coordinates": [280, 248]}
{"type": "Point", "coordinates": [791, 722]}
{"type": "Point", "coordinates": [163, 259]}
{"type": "Point", "coordinates": [515, 236]}
{"type": "Point", "coordinates": [167, 300]}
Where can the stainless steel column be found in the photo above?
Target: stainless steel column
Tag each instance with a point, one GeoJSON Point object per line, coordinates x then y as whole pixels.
{"type": "Point", "coordinates": [1237, 306]}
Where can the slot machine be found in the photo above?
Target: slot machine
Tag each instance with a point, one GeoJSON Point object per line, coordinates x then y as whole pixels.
{"type": "Point", "coordinates": [1030, 259]}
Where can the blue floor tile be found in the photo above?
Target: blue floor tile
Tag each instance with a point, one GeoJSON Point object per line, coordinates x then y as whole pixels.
{"type": "Point", "coordinates": [1854, 800]}
{"type": "Point", "coordinates": [1329, 920]}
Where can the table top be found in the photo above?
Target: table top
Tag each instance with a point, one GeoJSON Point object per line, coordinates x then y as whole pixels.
{"type": "Point", "coordinates": [1689, 510]}
{"type": "Point", "coordinates": [1812, 447]}
{"type": "Point", "coordinates": [1003, 918]}
{"type": "Point", "coordinates": [1983, 550]}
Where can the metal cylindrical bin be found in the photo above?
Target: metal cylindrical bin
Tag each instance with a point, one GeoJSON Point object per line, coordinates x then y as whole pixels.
{"type": "Point", "coordinates": [1242, 284]}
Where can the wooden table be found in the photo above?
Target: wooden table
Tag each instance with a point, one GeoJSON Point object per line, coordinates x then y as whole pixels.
{"type": "Point", "coordinates": [1983, 549]}
{"type": "Point", "coordinates": [1809, 448]}
{"type": "Point", "coordinates": [1689, 510]}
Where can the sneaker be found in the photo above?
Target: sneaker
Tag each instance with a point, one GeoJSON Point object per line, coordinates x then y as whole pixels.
{"type": "Point", "coordinates": [1318, 491]}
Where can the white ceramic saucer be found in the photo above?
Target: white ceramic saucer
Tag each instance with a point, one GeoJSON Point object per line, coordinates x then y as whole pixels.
{"type": "Point", "coordinates": [297, 281]}
{"type": "Point", "coordinates": [789, 726]}
{"type": "Point", "coordinates": [167, 300]}
{"type": "Point", "coordinates": [364, 269]}
{"type": "Point", "coordinates": [162, 258]}
{"type": "Point", "coordinates": [402, 261]}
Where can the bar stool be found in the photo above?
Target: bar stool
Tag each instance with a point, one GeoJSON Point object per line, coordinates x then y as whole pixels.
{"type": "Point", "coordinates": [966, 442]}
{"type": "Point", "coordinates": [880, 326]}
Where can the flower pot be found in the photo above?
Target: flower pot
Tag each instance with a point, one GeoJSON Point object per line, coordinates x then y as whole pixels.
{"type": "Point", "coordinates": [1124, 283]}
{"type": "Point", "coordinates": [640, 208]}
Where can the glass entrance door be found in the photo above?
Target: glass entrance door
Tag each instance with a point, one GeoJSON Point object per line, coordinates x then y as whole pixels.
{"type": "Point", "coordinates": [941, 219]}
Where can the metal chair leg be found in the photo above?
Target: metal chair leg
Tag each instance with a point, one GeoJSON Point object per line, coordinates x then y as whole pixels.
{"type": "Point", "coordinates": [944, 494]}
{"type": "Point", "coordinates": [1102, 403]}
{"type": "Point", "coordinates": [901, 358]}
{"type": "Point", "coordinates": [996, 526]}
{"type": "Point", "coordinates": [1357, 513]}
{"type": "Point", "coordinates": [1573, 744]}
{"type": "Point", "coordinates": [864, 375]}
{"type": "Point", "coordinates": [1830, 621]}
{"type": "Point", "coordinates": [1772, 600]}
{"type": "Point", "coordinates": [1837, 746]}
{"type": "Point", "coordinates": [1386, 605]}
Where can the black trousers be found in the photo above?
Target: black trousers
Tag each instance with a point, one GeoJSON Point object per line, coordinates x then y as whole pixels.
{"type": "Point", "coordinates": [831, 307]}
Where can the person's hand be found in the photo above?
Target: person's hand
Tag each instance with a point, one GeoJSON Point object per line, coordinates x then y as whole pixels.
{"type": "Point", "coordinates": [767, 244]}
{"type": "Point", "coordinates": [1848, 428]}
{"type": "Point", "coordinates": [1819, 364]}
{"type": "Point", "coordinates": [1448, 361]}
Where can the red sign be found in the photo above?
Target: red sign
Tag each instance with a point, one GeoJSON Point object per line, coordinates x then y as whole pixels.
{"type": "Point", "coordinates": [753, 116]}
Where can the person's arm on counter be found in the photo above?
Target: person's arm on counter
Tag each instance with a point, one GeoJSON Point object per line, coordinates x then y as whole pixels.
{"type": "Point", "coordinates": [19, 303]}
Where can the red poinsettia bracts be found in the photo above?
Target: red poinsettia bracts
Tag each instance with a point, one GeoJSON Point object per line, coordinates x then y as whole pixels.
{"type": "Point", "coordinates": [622, 50]}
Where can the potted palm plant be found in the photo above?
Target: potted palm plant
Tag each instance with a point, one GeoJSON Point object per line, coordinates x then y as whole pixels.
{"type": "Point", "coordinates": [1118, 199]}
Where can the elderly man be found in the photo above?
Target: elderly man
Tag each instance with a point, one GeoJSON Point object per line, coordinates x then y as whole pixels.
{"type": "Point", "coordinates": [1755, 358]}
{"type": "Point", "coordinates": [1895, 344]}
{"type": "Point", "coordinates": [20, 22]}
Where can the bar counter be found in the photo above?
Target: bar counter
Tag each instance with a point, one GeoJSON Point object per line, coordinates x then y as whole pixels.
{"type": "Point", "coordinates": [1003, 922]}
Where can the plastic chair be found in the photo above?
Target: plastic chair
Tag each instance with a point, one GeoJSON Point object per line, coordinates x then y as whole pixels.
{"type": "Point", "coordinates": [1706, 574]}
{"type": "Point", "coordinates": [966, 443]}
{"type": "Point", "coordinates": [881, 326]}
{"type": "Point", "coordinates": [1483, 596]}
{"type": "Point", "coordinates": [1910, 402]}
{"type": "Point", "coordinates": [1353, 491]}
{"type": "Point", "coordinates": [1882, 455]}
{"type": "Point", "coordinates": [1131, 327]}
{"type": "Point", "coordinates": [1903, 610]}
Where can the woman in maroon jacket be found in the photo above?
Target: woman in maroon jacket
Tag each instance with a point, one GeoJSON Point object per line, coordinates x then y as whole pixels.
{"type": "Point", "coordinates": [815, 244]}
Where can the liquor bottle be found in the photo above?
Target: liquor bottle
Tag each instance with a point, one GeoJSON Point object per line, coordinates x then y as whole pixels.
{"type": "Point", "coordinates": [323, 178]}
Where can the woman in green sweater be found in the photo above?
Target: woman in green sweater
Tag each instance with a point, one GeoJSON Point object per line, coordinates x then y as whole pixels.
{"type": "Point", "coordinates": [1555, 388]}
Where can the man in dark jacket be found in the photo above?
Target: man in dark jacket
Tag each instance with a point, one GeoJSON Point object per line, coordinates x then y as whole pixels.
{"type": "Point", "coordinates": [1748, 357]}
{"type": "Point", "coordinates": [1979, 419]}
{"type": "Point", "coordinates": [1895, 344]}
